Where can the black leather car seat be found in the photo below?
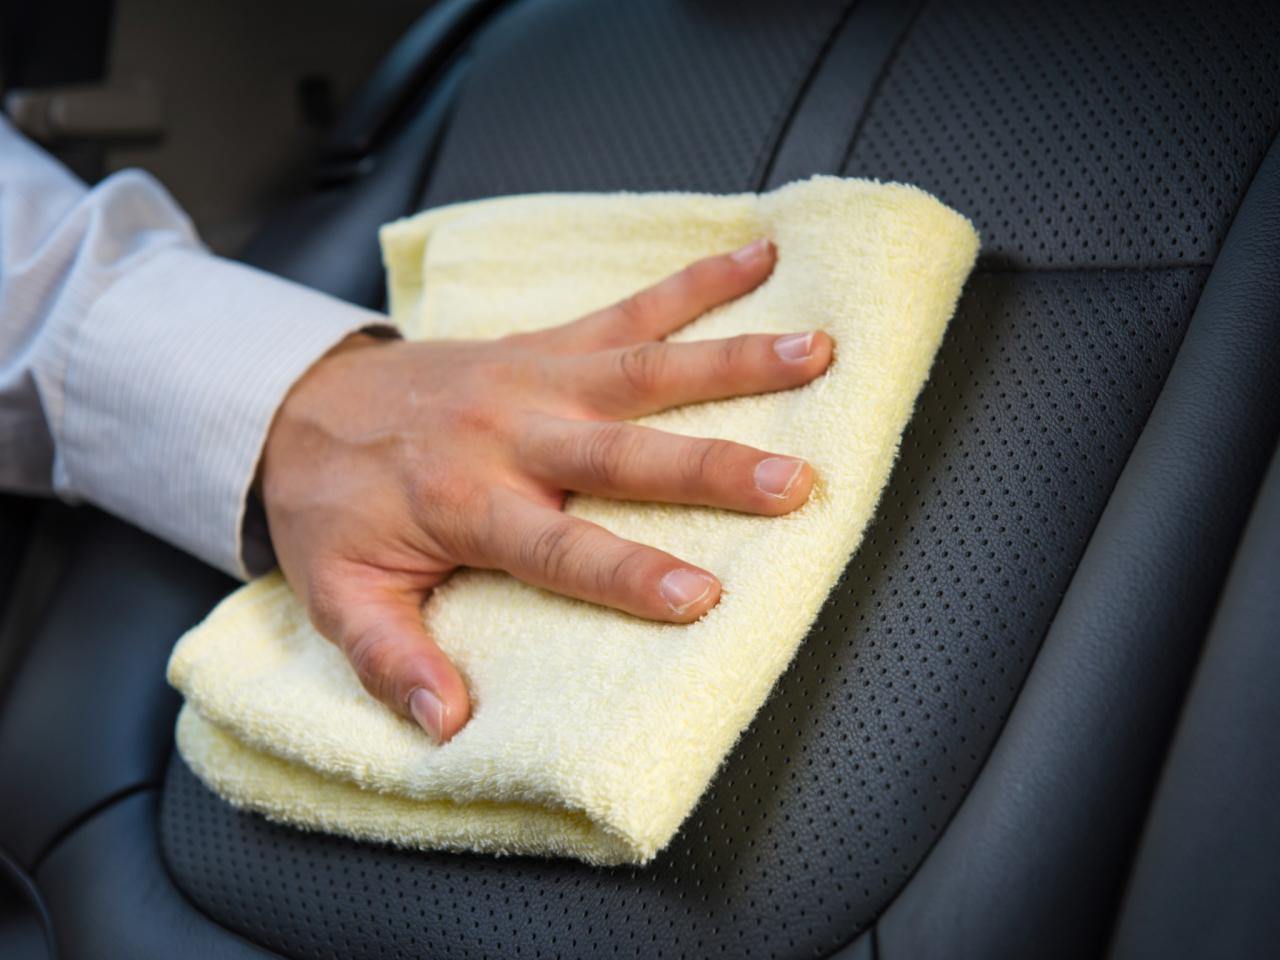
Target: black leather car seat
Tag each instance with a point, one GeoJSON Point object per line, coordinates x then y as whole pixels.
{"type": "Point", "coordinates": [962, 760]}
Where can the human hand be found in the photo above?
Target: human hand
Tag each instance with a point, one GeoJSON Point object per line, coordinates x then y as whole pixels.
{"type": "Point", "coordinates": [390, 464]}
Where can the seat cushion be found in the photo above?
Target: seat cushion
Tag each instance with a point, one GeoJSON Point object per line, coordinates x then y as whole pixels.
{"type": "Point", "coordinates": [1103, 152]}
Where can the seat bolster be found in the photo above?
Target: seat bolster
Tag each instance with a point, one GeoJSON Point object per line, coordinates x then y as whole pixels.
{"type": "Point", "coordinates": [88, 715]}
{"type": "Point", "coordinates": [1052, 819]}
{"type": "Point", "coordinates": [98, 917]}
{"type": "Point", "coordinates": [1206, 882]}
{"type": "Point", "coordinates": [329, 240]}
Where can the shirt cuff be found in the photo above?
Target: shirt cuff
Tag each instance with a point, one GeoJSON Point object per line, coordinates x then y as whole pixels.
{"type": "Point", "coordinates": [171, 386]}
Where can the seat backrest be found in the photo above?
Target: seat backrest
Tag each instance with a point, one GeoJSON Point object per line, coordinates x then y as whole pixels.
{"type": "Point", "coordinates": [961, 755]}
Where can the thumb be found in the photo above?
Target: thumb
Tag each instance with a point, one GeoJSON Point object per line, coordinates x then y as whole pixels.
{"type": "Point", "coordinates": [382, 633]}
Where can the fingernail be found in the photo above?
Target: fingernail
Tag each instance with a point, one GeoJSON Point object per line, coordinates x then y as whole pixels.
{"type": "Point", "coordinates": [794, 346]}
{"type": "Point", "coordinates": [429, 711]}
{"type": "Point", "coordinates": [683, 588]}
{"type": "Point", "coordinates": [776, 476]}
{"type": "Point", "coordinates": [752, 251]}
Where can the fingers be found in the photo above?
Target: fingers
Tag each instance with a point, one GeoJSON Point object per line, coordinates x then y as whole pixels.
{"type": "Point", "coordinates": [669, 304]}
{"type": "Point", "coordinates": [579, 559]}
{"type": "Point", "coordinates": [382, 633]}
{"type": "Point", "coordinates": [647, 377]}
{"type": "Point", "coordinates": [629, 462]}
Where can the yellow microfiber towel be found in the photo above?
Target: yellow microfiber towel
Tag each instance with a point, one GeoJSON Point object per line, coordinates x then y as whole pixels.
{"type": "Point", "coordinates": [594, 732]}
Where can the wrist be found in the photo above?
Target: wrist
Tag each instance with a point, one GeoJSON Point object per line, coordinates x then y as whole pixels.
{"type": "Point", "coordinates": [359, 340]}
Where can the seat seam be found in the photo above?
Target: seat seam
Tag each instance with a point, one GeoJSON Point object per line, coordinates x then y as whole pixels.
{"type": "Point", "coordinates": [80, 819]}
{"type": "Point", "coordinates": [878, 84]}
{"type": "Point", "coordinates": [779, 136]}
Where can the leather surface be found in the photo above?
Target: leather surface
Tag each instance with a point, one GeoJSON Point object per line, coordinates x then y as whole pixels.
{"type": "Point", "coordinates": [15, 524]}
{"type": "Point", "coordinates": [1053, 820]}
{"type": "Point", "coordinates": [15, 527]}
{"type": "Point", "coordinates": [1206, 882]}
{"type": "Point", "coordinates": [1081, 132]}
{"type": "Point", "coordinates": [25, 929]}
{"type": "Point", "coordinates": [45, 535]}
{"type": "Point", "coordinates": [329, 241]}
{"type": "Point", "coordinates": [110, 898]}
{"type": "Point", "coordinates": [88, 714]}
{"type": "Point", "coordinates": [842, 84]}
{"type": "Point", "coordinates": [581, 95]}
{"type": "Point", "coordinates": [414, 62]}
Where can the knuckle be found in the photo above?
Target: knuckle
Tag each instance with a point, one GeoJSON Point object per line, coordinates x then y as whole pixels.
{"type": "Point", "coordinates": [502, 368]}
{"type": "Point", "coordinates": [635, 309]}
{"type": "Point", "coordinates": [626, 575]}
{"type": "Point", "coordinates": [550, 550]}
{"type": "Point", "coordinates": [458, 518]}
{"type": "Point", "coordinates": [371, 657]}
{"type": "Point", "coordinates": [605, 454]}
{"type": "Point", "coordinates": [468, 499]}
{"type": "Point", "coordinates": [430, 481]}
{"type": "Point", "coordinates": [703, 461]}
{"type": "Point", "coordinates": [477, 418]}
{"type": "Point", "coordinates": [732, 355]}
{"type": "Point", "coordinates": [640, 367]}
{"type": "Point", "coordinates": [324, 602]}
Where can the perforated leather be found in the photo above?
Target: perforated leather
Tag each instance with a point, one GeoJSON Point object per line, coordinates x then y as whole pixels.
{"type": "Point", "coordinates": [630, 96]}
{"type": "Point", "coordinates": [865, 749]}
{"type": "Point", "coordinates": [1082, 133]}
{"type": "Point", "coordinates": [869, 741]}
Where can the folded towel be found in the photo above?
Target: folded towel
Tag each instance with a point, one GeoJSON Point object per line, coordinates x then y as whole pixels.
{"type": "Point", "coordinates": [595, 732]}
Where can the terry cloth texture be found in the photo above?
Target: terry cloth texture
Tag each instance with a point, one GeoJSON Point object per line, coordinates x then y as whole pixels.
{"type": "Point", "coordinates": [594, 732]}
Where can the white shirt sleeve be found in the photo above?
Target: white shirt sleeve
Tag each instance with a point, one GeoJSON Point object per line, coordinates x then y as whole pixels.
{"type": "Point", "coordinates": [138, 371]}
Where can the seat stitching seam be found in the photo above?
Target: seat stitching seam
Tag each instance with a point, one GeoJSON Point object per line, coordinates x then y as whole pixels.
{"type": "Point", "coordinates": [876, 87]}
{"type": "Point", "coordinates": [772, 145]}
